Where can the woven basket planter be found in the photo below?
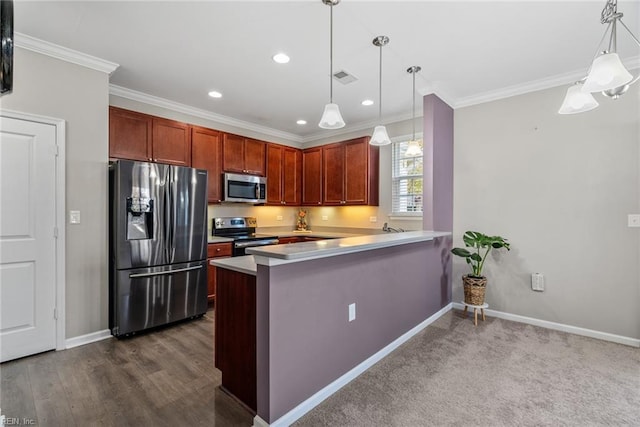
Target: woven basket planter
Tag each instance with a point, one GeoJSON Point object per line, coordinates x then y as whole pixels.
{"type": "Point", "coordinates": [474, 289]}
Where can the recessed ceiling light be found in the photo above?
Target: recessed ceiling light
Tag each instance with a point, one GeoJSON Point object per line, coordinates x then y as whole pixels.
{"type": "Point", "coordinates": [215, 94]}
{"type": "Point", "coordinates": [281, 58]}
{"type": "Point", "coordinates": [301, 122]}
{"type": "Point", "coordinates": [367, 102]}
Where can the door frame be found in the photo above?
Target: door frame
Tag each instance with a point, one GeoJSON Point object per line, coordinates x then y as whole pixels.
{"type": "Point", "coordinates": [60, 168]}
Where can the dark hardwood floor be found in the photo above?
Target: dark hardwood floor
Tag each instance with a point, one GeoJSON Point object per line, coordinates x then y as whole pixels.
{"type": "Point", "coordinates": [165, 377]}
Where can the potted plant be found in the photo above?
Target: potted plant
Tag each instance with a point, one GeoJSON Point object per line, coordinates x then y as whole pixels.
{"type": "Point", "coordinates": [475, 283]}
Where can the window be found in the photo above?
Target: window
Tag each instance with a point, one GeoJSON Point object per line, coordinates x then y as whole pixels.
{"type": "Point", "coordinates": [406, 192]}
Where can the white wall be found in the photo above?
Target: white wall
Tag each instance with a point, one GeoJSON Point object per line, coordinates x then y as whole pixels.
{"type": "Point", "coordinates": [50, 87]}
{"type": "Point", "coordinates": [560, 188]}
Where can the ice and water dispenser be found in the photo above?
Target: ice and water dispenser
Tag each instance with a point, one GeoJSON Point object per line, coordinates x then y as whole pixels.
{"type": "Point", "coordinates": [139, 218]}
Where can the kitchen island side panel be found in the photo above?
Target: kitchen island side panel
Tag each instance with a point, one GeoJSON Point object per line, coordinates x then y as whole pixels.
{"type": "Point", "coordinates": [311, 342]}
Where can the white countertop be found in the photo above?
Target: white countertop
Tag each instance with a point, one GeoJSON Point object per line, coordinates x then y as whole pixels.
{"type": "Point", "coordinates": [280, 254]}
{"type": "Point", "coordinates": [216, 239]}
{"type": "Point", "coordinates": [242, 264]}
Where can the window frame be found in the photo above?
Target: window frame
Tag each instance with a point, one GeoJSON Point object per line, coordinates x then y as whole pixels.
{"type": "Point", "coordinates": [403, 215]}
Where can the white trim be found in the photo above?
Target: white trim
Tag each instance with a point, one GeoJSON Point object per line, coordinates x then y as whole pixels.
{"type": "Point", "coordinates": [60, 281]}
{"type": "Point", "coordinates": [410, 217]}
{"type": "Point", "coordinates": [313, 401]}
{"type": "Point", "coordinates": [259, 422]}
{"type": "Point", "coordinates": [619, 339]}
{"type": "Point", "coordinates": [65, 54]}
{"type": "Point", "coordinates": [534, 86]}
{"type": "Point", "coordinates": [88, 338]}
{"type": "Point", "coordinates": [134, 95]}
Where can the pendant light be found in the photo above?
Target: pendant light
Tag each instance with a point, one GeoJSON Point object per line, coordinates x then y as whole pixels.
{"type": "Point", "coordinates": [606, 74]}
{"type": "Point", "coordinates": [331, 117]}
{"type": "Point", "coordinates": [380, 136]}
{"type": "Point", "coordinates": [413, 148]}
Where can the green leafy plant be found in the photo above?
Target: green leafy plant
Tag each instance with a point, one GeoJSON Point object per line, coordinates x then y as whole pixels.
{"type": "Point", "coordinates": [481, 245]}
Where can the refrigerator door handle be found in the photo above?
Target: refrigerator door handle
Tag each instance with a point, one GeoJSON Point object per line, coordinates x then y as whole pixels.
{"type": "Point", "coordinates": [162, 273]}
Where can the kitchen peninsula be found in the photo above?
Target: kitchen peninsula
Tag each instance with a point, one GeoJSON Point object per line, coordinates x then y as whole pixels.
{"type": "Point", "coordinates": [323, 312]}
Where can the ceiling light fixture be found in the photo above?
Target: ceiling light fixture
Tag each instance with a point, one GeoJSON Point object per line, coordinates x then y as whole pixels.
{"type": "Point", "coordinates": [367, 102]}
{"type": "Point", "coordinates": [281, 58]}
{"type": "Point", "coordinates": [215, 94]}
{"type": "Point", "coordinates": [413, 148]}
{"type": "Point", "coordinates": [606, 73]}
{"type": "Point", "coordinates": [301, 122]}
{"type": "Point", "coordinates": [380, 136]}
{"type": "Point", "coordinates": [331, 117]}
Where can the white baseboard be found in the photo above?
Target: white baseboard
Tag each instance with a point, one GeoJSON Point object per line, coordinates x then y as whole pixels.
{"type": "Point", "coordinates": [559, 327]}
{"type": "Point", "coordinates": [86, 339]}
{"type": "Point", "coordinates": [313, 401]}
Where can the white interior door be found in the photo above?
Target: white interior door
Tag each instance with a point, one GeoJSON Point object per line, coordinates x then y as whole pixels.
{"type": "Point", "coordinates": [27, 238]}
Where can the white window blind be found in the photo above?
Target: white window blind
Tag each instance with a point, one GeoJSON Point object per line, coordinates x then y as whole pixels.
{"type": "Point", "coordinates": [406, 180]}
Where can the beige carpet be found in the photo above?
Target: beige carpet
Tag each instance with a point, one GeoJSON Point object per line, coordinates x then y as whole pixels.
{"type": "Point", "coordinates": [499, 373]}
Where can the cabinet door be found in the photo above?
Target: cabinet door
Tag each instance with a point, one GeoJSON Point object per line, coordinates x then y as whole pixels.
{"type": "Point", "coordinates": [232, 153]}
{"type": "Point", "coordinates": [254, 157]}
{"type": "Point", "coordinates": [171, 142]}
{"type": "Point", "coordinates": [291, 176]}
{"type": "Point", "coordinates": [215, 250]}
{"type": "Point", "coordinates": [274, 174]}
{"type": "Point", "coordinates": [287, 240]}
{"type": "Point", "coordinates": [312, 176]}
{"type": "Point", "coordinates": [211, 282]}
{"type": "Point", "coordinates": [130, 135]}
{"type": "Point", "coordinates": [356, 173]}
{"type": "Point", "coordinates": [333, 174]}
{"type": "Point", "coordinates": [206, 153]}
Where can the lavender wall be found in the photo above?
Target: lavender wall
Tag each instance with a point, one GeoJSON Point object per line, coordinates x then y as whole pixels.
{"type": "Point", "coordinates": [438, 164]}
{"type": "Point", "coordinates": [303, 310]}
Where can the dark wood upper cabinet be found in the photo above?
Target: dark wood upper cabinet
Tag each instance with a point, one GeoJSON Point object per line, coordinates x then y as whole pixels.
{"type": "Point", "coordinates": [254, 156]}
{"type": "Point", "coordinates": [130, 135]}
{"type": "Point", "coordinates": [350, 173]}
{"type": "Point", "coordinates": [138, 136]}
{"type": "Point", "coordinates": [206, 153]}
{"type": "Point", "coordinates": [243, 155]}
{"type": "Point", "coordinates": [171, 142]}
{"type": "Point", "coordinates": [312, 176]}
{"type": "Point", "coordinates": [333, 174]}
{"type": "Point", "coordinates": [284, 175]}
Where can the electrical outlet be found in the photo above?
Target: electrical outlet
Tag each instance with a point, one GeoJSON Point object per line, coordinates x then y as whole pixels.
{"type": "Point", "coordinates": [537, 282]}
{"type": "Point", "coordinates": [74, 217]}
{"type": "Point", "coordinates": [325, 218]}
{"type": "Point", "coordinates": [633, 220]}
{"type": "Point", "coordinates": [373, 219]}
{"type": "Point", "coordinates": [279, 218]}
{"type": "Point", "coordinates": [352, 312]}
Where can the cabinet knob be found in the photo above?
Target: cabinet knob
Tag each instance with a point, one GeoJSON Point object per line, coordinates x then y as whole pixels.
{"type": "Point", "coordinates": [319, 203]}
{"type": "Point", "coordinates": [217, 249]}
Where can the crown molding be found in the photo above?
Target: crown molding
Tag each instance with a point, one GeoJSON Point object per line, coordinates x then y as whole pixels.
{"type": "Point", "coordinates": [197, 112]}
{"type": "Point", "coordinates": [536, 85]}
{"type": "Point", "coordinates": [69, 55]}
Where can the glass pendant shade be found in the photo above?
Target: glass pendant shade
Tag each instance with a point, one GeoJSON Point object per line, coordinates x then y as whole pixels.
{"type": "Point", "coordinates": [331, 118]}
{"type": "Point", "coordinates": [577, 101]}
{"type": "Point", "coordinates": [607, 72]}
{"type": "Point", "coordinates": [380, 136]}
{"type": "Point", "coordinates": [413, 149]}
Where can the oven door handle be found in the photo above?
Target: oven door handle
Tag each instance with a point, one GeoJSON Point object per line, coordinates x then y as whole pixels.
{"type": "Point", "coordinates": [242, 245]}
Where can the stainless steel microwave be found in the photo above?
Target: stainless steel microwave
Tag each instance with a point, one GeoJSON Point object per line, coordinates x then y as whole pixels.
{"type": "Point", "coordinates": [244, 188]}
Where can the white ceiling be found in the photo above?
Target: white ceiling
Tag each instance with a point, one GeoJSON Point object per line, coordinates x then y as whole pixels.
{"type": "Point", "coordinates": [469, 51]}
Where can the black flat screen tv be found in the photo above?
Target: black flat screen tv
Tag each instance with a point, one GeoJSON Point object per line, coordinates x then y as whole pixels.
{"type": "Point", "coordinates": [6, 37]}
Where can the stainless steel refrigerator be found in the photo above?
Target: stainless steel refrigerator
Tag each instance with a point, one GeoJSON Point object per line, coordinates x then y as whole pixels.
{"type": "Point", "coordinates": [157, 246]}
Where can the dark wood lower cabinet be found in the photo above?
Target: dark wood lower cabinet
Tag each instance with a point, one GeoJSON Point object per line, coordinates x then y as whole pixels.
{"type": "Point", "coordinates": [235, 334]}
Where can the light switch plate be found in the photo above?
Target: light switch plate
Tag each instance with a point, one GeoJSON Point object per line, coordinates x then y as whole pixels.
{"type": "Point", "coordinates": [325, 218]}
{"type": "Point", "coordinates": [279, 218]}
{"type": "Point", "coordinates": [633, 220]}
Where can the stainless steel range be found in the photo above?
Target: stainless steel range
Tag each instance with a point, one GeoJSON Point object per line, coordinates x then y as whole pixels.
{"type": "Point", "coordinates": [243, 232]}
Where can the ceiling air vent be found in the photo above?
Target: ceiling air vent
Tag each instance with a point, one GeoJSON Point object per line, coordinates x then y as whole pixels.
{"type": "Point", "coordinates": [344, 77]}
